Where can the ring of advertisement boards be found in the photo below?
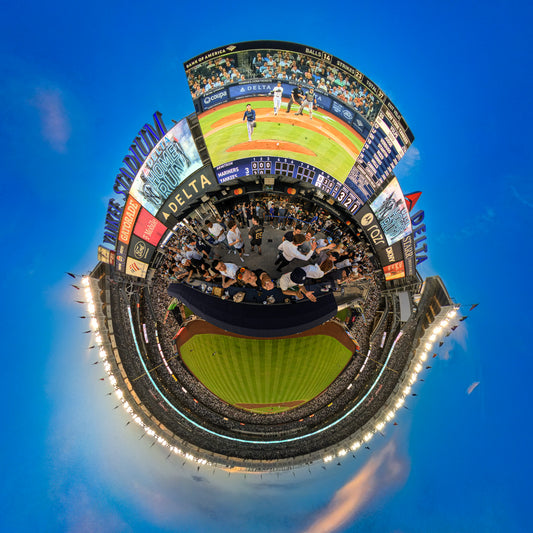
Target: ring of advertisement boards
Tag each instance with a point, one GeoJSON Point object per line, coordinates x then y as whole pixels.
{"type": "Point", "coordinates": [343, 136]}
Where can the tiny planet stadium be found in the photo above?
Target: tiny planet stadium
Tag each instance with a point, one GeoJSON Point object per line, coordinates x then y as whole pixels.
{"type": "Point", "coordinates": [257, 302]}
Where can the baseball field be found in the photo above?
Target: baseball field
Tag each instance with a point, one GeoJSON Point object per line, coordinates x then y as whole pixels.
{"type": "Point", "coordinates": [265, 375]}
{"type": "Point", "coordinates": [323, 141]}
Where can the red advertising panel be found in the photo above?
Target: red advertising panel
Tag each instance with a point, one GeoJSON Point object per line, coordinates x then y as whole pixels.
{"type": "Point", "coordinates": [148, 228]}
{"type": "Point", "coordinates": [128, 219]}
{"type": "Point", "coordinates": [394, 271]}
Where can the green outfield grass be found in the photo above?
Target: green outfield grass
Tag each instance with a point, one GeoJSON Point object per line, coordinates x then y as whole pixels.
{"type": "Point", "coordinates": [330, 156]}
{"type": "Point", "coordinates": [265, 371]}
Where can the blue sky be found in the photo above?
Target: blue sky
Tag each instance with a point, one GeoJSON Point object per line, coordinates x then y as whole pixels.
{"type": "Point", "coordinates": [79, 80]}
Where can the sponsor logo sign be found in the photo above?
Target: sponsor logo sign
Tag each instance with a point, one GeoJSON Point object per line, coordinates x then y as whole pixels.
{"type": "Point", "coordinates": [248, 89]}
{"type": "Point", "coordinates": [131, 209]}
{"type": "Point", "coordinates": [141, 250]}
{"type": "Point", "coordinates": [394, 271]}
{"type": "Point", "coordinates": [390, 254]}
{"type": "Point", "coordinates": [212, 100]}
{"type": "Point", "coordinates": [190, 190]}
{"type": "Point", "coordinates": [367, 220]}
{"type": "Point", "coordinates": [120, 258]}
{"type": "Point", "coordinates": [148, 228]}
{"type": "Point", "coordinates": [106, 256]}
{"type": "Point", "coordinates": [408, 246]}
{"type": "Point", "coordinates": [136, 268]}
{"type": "Point", "coordinates": [342, 111]}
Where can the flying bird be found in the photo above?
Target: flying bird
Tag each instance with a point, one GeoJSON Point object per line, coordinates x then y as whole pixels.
{"type": "Point", "coordinates": [473, 307]}
{"type": "Point", "coordinates": [454, 328]}
{"type": "Point", "coordinates": [71, 274]}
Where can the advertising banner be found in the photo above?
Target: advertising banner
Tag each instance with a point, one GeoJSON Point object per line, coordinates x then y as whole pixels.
{"type": "Point", "coordinates": [394, 271]}
{"type": "Point", "coordinates": [148, 228]}
{"type": "Point", "coordinates": [120, 258]}
{"type": "Point", "coordinates": [370, 225]}
{"type": "Point", "coordinates": [106, 256]}
{"type": "Point", "coordinates": [408, 245]}
{"type": "Point", "coordinates": [173, 159]}
{"type": "Point", "coordinates": [392, 213]}
{"type": "Point", "coordinates": [390, 254]}
{"type": "Point", "coordinates": [141, 250]}
{"type": "Point", "coordinates": [136, 268]}
{"type": "Point", "coordinates": [131, 210]}
{"type": "Point", "coordinates": [214, 99]}
{"type": "Point", "coordinates": [190, 190]}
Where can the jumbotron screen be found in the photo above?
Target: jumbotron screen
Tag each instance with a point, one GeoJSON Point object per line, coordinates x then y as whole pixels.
{"type": "Point", "coordinates": [348, 143]}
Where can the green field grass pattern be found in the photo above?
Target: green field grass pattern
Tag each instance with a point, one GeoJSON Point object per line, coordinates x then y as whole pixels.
{"type": "Point", "coordinates": [269, 371]}
{"type": "Point", "coordinates": [330, 156]}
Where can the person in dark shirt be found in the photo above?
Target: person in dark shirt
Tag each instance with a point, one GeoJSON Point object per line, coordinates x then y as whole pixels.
{"type": "Point", "coordinates": [296, 97]}
{"type": "Point", "coordinates": [249, 117]}
{"type": "Point", "coordinates": [256, 235]}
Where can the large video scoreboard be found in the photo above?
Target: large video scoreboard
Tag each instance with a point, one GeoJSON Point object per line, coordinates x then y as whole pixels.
{"type": "Point", "coordinates": [346, 144]}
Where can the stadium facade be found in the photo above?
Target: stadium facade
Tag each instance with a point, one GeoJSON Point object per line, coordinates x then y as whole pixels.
{"type": "Point", "coordinates": [325, 168]}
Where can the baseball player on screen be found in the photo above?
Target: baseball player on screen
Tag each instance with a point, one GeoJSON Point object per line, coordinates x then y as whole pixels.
{"type": "Point", "coordinates": [278, 93]}
{"type": "Point", "coordinates": [249, 116]}
{"type": "Point", "coordinates": [296, 97]}
{"type": "Point", "coordinates": [309, 101]}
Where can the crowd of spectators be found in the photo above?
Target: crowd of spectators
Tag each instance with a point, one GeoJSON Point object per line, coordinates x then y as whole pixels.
{"type": "Point", "coordinates": [333, 256]}
{"type": "Point", "coordinates": [288, 67]}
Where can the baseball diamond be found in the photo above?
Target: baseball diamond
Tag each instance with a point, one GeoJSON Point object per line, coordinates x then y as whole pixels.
{"type": "Point", "coordinates": [324, 141]}
{"type": "Point", "coordinates": [265, 375]}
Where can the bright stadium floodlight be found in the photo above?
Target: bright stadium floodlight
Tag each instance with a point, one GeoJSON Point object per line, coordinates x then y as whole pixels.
{"type": "Point", "coordinates": [444, 323]}
{"type": "Point", "coordinates": [85, 280]}
{"type": "Point", "coordinates": [368, 436]}
{"type": "Point", "coordinates": [342, 452]}
{"type": "Point", "coordinates": [407, 390]}
{"type": "Point", "coordinates": [380, 426]}
{"type": "Point", "coordinates": [94, 323]}
{"type": "Point", "coordinates": [432, 337]}
{"type": "Point", "coordinates": [400, 402]}
{"type": "Point", "coordinates": [428, 346]}
{"type": "Point", "coordinates": [423, 356]}
{"type": "Point", "coordinates": [451, 313]}
{"type": "Point", "coordinates": [355, 446]}
{"type": "Point", "coordinates": [119, 394]}
{"type": "Point", "coordinates": [418, 367]}
{"type": "Point", "coordinates": [91, 308]}
{"type": "Point", "coordinates": [328, 458]}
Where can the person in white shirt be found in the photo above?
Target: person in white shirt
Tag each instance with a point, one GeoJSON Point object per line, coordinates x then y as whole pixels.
{"type": "Point", "coordinates": [289, 251]}
{"type": "Point", "coordinates": [291, 284]}
{"type": "Point", "coordinates": [234, 239]}
{"type": "Point", "coordinates": [217, 232]}
{"type": "Point", "coordinates": [228, 271]}
{"type": "Point", "coordinates": [278, 93]}
{"type": "Point", "coordinates": [318, 271]}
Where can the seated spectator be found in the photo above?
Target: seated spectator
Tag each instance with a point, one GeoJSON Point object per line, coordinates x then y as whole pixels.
{"type": "Point", "coordinates": [292, 283]}
{"type": "Point", "coordinates": [228, 271]}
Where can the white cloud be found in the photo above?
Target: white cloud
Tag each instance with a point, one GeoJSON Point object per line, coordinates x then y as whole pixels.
{"type": "Point", "coordinates": [472, 387]}
{"type": "Point", "coordinates": [55, 125]}
{"type": "Point", "coordinates": [382, 470]}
